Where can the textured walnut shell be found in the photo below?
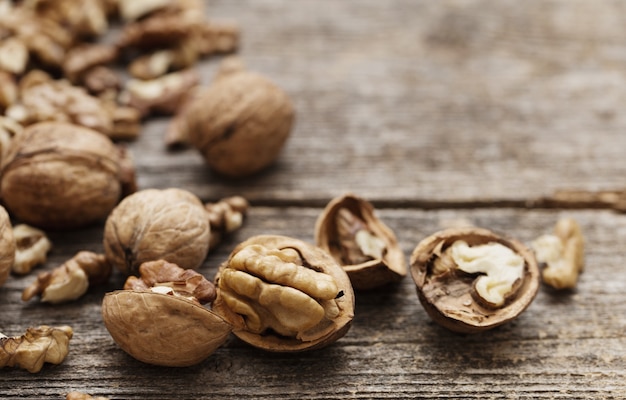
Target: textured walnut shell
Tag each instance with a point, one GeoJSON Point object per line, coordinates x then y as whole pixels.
{"type": "Point", "coordinates": [153, 224]}
{"type": "Point", "coordinates": [58, 175]}
{"type": "Point", "coordinates": [372, 273]}
{"type": "Point", "coordinates": [7, 246]}
{"type": "Point", "coordinates": [314, 257]}
{"type": "Point", "coordinates": [239, 123]}
{"type": "Point", "coordinates": [161, 329]}
{"type": "Point", "coordinates": [449, 302]}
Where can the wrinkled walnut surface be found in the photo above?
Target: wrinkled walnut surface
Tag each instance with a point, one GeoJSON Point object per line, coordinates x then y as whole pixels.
{"type": "Point", "coordinates": [39, 345]}
{"type": "Point", "coordinates": [162, 329]}
{"type": "Point", "coordinates": [447, 297]}
{"type": "Point", "coordinates": [7, 246]}
{"type": "Point", "coordinates": [384, 261]}
{"type": "Point", "coordinates": [282, 281]}
{"type": "Point", "coordinates": [239, 123]}
{"type": "Point", "coordinates": [153, 224]}
{"type": "Point", "coordinates": [61, 176]}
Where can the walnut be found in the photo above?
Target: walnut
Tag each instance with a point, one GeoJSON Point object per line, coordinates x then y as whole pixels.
{"type": "Point", "coordinates": [159, 319]}
{"type": "Point", "coordinates": [32, 247]}
{"type": "Point", "coordinates": [82, 396]}
{"type": "Point", "coordinates": [37, 346]}
{"type": "Point", "coordinates": [471, 279]}
{"type": "Point", "coordinates": [45, 99]}
{"type": "Point", "coordinates": [360, 242]}
{"type": "Point", "coordinates": [240, 122]}
{"type": "Point", "coordinates": [7, 246]}
{"type": "Point", "coordinates": [61, 176]}
{"type": "Point", "coordinates": [281, 294]}
{"type": "Point", "coordinates": [562, 253]}
{"type": "Point", "coordinates": [13, 55]}
{"type": "Point", "coordinates": [8, 89]}
{"type": "Point", "coordinates": [162, 95]}
{"type": "Point", "coordinates": [70, 280]}
{"type": "Point", "coordinates": [153, 224]}
{"type": "Point", "coordinates": [9, 128]}
{"type": "Point", "coordinates": [81, 58]}
{"type": "Point", "coordinates": [225, 216]}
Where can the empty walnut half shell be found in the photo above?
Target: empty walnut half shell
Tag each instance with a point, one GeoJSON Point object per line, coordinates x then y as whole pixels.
{"type": "Point", "coordinates": [282, 294]}
{"type": "Point", "coordinates": [471, 279]}
{"type": "Point", "coordinates": [153, 224]}
{"type": "Point", "coordinates": [360, 242]}
{"type": "Point", "coordinates": [158, 319]}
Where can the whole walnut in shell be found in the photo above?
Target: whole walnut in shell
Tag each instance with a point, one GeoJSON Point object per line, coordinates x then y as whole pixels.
{"type": "Point", "coordinates": [240, 122]}
{"type": "Point", "coordinates": [154, 224]}
{"type": "Point", "coordinates": [7, 246]}
{"type": "Point", "coordinates": [57, 175]}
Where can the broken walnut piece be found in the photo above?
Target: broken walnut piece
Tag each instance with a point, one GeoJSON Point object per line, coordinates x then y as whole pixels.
{"type": "Point", "coordinates": [455, 288]}
{"type": "Point", "coordinates": [83, 396]}
{"type": "Point", "coordinates": [562, 252]}
{"type": "Point", "coordinates": [70, 280]}
{"type": "Point", "coordinates": [282, 294]}
{"type": "Point", "coordinates": [7, 246]}
{"type": "Point", "coordinates": [158, 318]}
{"type": "Point", "coordinates": [225, 217]}
{"type": "Point", "coordinates": [164, 277]}
{"type": "Point", "coordinates": [32, 247]}
{"type": "Point", "coordinates": [360, 242]}
{"type": "Point", "coordinates": [37, 346]}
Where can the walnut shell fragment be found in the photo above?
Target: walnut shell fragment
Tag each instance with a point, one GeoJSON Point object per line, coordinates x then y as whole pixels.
{"type": "Point", "coordinates": [452, 296]}
{"type": "Point", "coordinates": [58, 175]}
{"type": "Point", "coordinates": [7, 246]}
{"type": "Point", "coordinates": [360, 242]}
{"type": "Point", "coordinates": [158, 318]}
{"type": "Point", "coordinates": [282, 294]}
{"type": "Point", "coordinates": [154, 224]}
{"type": "Point", "coordinates": [239, 123]}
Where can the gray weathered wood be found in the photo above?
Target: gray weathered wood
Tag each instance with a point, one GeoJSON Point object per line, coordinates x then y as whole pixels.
{"type": "Point", "coordinates": [440, 112]}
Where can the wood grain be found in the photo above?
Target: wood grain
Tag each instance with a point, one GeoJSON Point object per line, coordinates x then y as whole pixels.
{"type": "Point", "coordinates": [440, 113]}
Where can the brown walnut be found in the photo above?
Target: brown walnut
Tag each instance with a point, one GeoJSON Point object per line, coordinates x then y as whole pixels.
{"type": "Point", "coordinates": [153, 224]}
{"type": "Point", "coordinates": [455, 298]}
{"type": "Point", "coordinates": [239, 123]}
{"type": "Point", "coordinates": [360, 242]}
{"type": "Point", "coordinates": [7, 246]}
{"type": "Point", "coordinates": [158, 318]}
{"type": "Point", "coordinates": [282, 294]}
{"type": "Point", "coordinates": [58, 175]}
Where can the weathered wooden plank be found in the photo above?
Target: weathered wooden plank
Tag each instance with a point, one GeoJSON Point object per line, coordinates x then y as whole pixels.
{"type": "Point", "coordinates": [421, 102]}
{"type": "Point", "coordinates": [566, 345]}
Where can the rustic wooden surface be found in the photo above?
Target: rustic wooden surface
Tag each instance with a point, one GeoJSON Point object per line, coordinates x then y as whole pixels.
{"type": "Point", "coordinates": [440, 112]}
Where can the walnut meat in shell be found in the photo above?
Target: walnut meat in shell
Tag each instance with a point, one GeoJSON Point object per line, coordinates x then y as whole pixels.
{"type": "Point", "coordinates": [58, 175]}
{"type": "Point", "coordinates": [7, 246]}
{"type": "Point", "coordinates": [239, 123]}
{"type": "Point", "coordinates": [154, 224]}
{"type": "Point", "coordinates": [282, 294]}
{"type": "Point", "coordinates": [471, 279]}
{"type": "Point", "coordinates": [162, 329]}
{"type": "Point", "coordinates": [159, 319]}
{"type": "Point", "coordinates": [360, 242]}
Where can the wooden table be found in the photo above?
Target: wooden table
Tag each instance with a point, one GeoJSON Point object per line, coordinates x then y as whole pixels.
{"type": "Point", "coordinates": [439, 112]}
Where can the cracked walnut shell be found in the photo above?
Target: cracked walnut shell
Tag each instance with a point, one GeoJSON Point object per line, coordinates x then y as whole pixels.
{"type": "Point", "coordinates": [153, 224]}
{"type": "Point", "coordinates": [471, 279]}
{"type": "Point", "coordinates": [360, 242]}
{"type": "Point", "coordinates": [239, 123]}
{"type": "Point", "coordinates": [57, 175]}
{"type": "Point", "coordinates": [282, 294]}
{"type": "Point", "coordinates": [158, 319]}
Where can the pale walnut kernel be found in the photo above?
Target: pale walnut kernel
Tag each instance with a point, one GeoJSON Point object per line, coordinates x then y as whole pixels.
{"type": "Point", "coordinates": [70, 280]}
{"type": "Point", "coordinates": [32, 247]}
{"type": "Point", "coordinates": [39, 345]}
{"type": "Point", "coordinates": [563, 254]}
{"type": "Point", "coordinates": [83, 396]}
{"type": "Point", "coordinates": [7, 246]}
{"type": "Point", "coordinates": [225, 217]}
{"type": "Point", "coordinates": [499, 269]}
